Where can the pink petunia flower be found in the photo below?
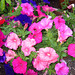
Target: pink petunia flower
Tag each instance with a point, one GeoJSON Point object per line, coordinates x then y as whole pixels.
{"type": "Point", "coordinates": [27, 9]}
{"type": "Point", "coordinates": [37, 37]}
{"type": "Point", "coordinates": [19, 66]}
{"type": "Point", "coordinates": [63, 33]}
{"type": "Point", "coordinates": [61, 69]}
{"type": "Point", "coordinates": [34, 28]}
{"type": "Point", "coordinates": [46, 23]}
{"type": "Point", "coordinates": [71, 50]}
{"type": "Point", "coordinates": [10, 55]}
{"type": "Point", "coordinates": [48, 55]}
{"type": "Point", "coordinates": [31, 72]}
{"type": "Point", "coordinates": [2, 37]}
{"type": "Point", "coordinates": [58, 22]}
{"type": "Point", "coordinates": [1, 52]}
{"type": "Point", "coordinates": [27, 50]}
{"type": "Point", "coordinates": [39, 64]}
{"type": "Point", "coordinates": [28, 42]}
{"type": "Point", "coordinates": [12, 41]}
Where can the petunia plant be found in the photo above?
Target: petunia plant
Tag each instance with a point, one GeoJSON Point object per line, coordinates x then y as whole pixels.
{"type": "Point", "coordinates": [33, 38]}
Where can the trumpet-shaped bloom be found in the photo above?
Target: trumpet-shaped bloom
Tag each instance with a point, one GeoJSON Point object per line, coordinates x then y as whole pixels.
{"type": "Point", "coordinates": [27, 9]}
{"type": "Point", "coordinates": [71, 50]}
{"type": "Point", "coordinates": [48, 54]}
{"type": "Point", "coordinates": [63, 33]}
{"type": "Point", "coordinates": [10, 55]}
{"type": "Point", "coordinates": [46, 23]}
{"type": "Point", "coordinates": [37, 37]}
{"type": "Point", "coordinates": [19, 66]}
{"type": "Point", "coordinates": [61, 69]}
{"type": "Point", "coordinates": [28, 42]}
{"type": "Point", "coordinates": [27, 50]}
{"type": "Point", "coordinates": [59, 21]}
{"type": "Point", "coordinates": [12, 41]}
{"type": "Point", "coordinates": [34, 28]}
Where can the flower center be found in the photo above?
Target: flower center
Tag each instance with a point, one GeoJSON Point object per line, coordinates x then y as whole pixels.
{"type": "Point", "coordinates": [14, 40]}
{"type": "Point", "coordinates": [48, 54]}
{"type": "Point", "coordinates": [26, 49]}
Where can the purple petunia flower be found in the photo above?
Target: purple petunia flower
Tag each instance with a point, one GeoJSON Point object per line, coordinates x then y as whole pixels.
{"type": "Point", "coordinates": [46, 1]}
{"type": "Point", "coordinates": [2, 58]}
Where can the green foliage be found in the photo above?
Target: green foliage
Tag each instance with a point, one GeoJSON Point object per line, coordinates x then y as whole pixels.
{"type": "Point", "coordinates": [9, 2]}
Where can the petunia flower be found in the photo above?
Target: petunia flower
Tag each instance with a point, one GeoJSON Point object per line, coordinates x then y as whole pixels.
{"type": "Point", "coordinates": [2, 20]}
{"type": "Point", "coordinates": [61, 69]}
{"type": "Point", "coordinates": [23, 19]}
{"type": "Point", "coordinates": [2, 58]}
{"type": "Point", "coordinates": [2, 37]}
{"type": "Point", "coordinates": [71, 50]}
{"type": "Point", "coordinates": [19, 66]}
{"type": "Point", "coordinates": [27, 9]}
{"type": "Point", "coordinates": [13, 41]}
{"type": "Point", "coordinates": [46, 1]}
{"type": "Point", "coordinates": [1, 52]}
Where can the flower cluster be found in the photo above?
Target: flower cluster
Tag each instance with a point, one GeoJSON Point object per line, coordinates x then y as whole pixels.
{"type": "Point", "coordinates": [29, 41]}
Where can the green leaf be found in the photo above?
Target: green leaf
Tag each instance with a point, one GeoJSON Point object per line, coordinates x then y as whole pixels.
{"type": "Point", "coordinates": [63, 55]}
{"type": "Point", "coordinates": [2, 5]}
{"type": "Point", "coordinates": [9, 2]}
{"type": "Point", "coordinates": [63, 48]}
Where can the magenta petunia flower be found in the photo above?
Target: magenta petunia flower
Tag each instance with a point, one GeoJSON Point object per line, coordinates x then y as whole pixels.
{"type": "Point", "coordinates": [31, 72]}
{"type": "Point", "coordinates": [10, 55]}
{"type": "Point", "coordinates": [61, 69]}
{"type": "Point", "coordinates": [2, 37]}
{"type": "Point", "coordinates": [71, 50]}
{"type": "Point", "coordinates": [46, 23]}
{"type": "Point", "coordinates": [34, 28]}
{"type": "Point", "coordinates": [12, 41]}
{"type": "Point", "coordinates": [48, 55]}
{"type": "Point", "coordinates": [59, 21]}
{"type": "Point", "coordinates": [1, 52]}
{"type": "Point", "coordinates": [27, 9]}
{"type": "Point", "coordinates": [19, 66]}
{"type": "Point", "coordinates": [63, 33]}
{"type": "Point", "coordinates": [37, 37]}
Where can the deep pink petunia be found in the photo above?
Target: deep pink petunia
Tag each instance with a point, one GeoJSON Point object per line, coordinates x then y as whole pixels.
{"type": "Point", "coordinates": [27, 9]}
{"type": "Point", "coordinates": [34, 28]}
{"type": "Point", "coordinates": [59, 21]}
{"type": "Point", "coordinates": [31, 72]}
{"type": "Point", "coordinates": [19, 66]}
{"type": "Point", "coordinates": [37, 37]}
{"type": "Point", "coordinates": [71, 50]}
{"type": "Point", "coordinates": [13, 41]}
{"type": "Point", "coordinates": [2, 36]}
{"type": "Point", "coordinates": [61, 69]}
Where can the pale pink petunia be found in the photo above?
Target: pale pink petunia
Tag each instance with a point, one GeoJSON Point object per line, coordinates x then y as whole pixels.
{"type": "Point", "coordinates": [28, 42]}
{"type": "Point", "coordinates": [48, 54]}
{"type": "Point", "coordinates": [34, 28]}
{"type": "Point", "coordinates": [1, 52]}
{"type": "Point", "coordinates": [12, 41]}
{"type": "Point", "coordinates": [37, 37]}
{"type": "Point", "coordinates": [27, 9]}
{"type": "Point", "coordinates": [39, 64]}
{"type": "Point", "coordinates": [46, 23]}
{"type": "Point", "coordinates": [71, 50]}
{"type": "Point", "coordinates": [19, 66]}
{"type": "Point", "coordinates": [61, 69]}
{"type": "Point", "coordinates": [0, 18]}
{"type": "Point", "coordinates": [27, 50]}
{"type": "Point", "coordinates": [31, 72]}
{"type": "Point", "coordinates": [59, 21]}
{"type": "Point", "coordinates": [63, 33]}
{"type": "Point", "coordinates": [10, 55]}
{"type": "Point", "coordinates": [17, 6]}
